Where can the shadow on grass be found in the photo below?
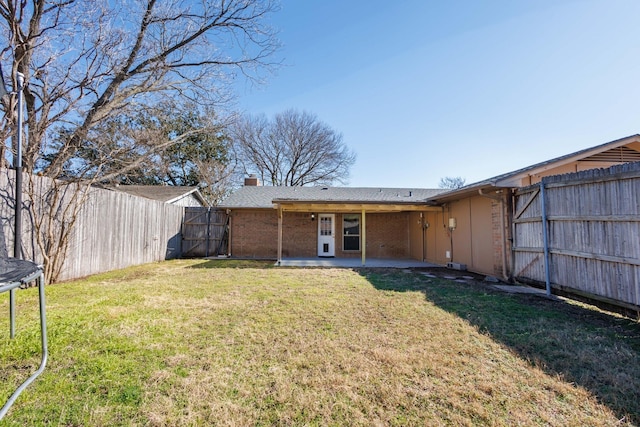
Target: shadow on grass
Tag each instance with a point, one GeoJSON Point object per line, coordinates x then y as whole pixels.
{"type": "Point", "coordinates": [234, 263]}
{"type": "Point", "coordinates": [593, 349]}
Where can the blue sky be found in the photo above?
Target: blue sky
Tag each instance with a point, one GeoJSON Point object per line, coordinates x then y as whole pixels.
{"type": "Point", "coordinates": [425, 89]}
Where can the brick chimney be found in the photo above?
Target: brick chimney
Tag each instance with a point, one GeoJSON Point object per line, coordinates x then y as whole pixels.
{"type": "Point", "coordinates": [251, 181]}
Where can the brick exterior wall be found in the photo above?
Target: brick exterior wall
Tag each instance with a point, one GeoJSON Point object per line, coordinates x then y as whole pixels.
{"type": "Point", "coordinates": [499, 239]}
{"type": "Point", "coordinates": [299, 235]}
{"type": "Point", "coordinates": [388, 235]}
{"type": "Point", "coordinates": [254, 234]}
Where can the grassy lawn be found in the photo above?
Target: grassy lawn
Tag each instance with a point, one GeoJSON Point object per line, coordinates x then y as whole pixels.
{"type": "Point", "coordinates": [193, 342]}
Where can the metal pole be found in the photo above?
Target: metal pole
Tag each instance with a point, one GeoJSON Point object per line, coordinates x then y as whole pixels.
{"type": "Point", "coordinates": [545, 238]}
{"type": "Point", "coordinates": [17, 242]}
{"type": "Point", "coordinates": [17, 239]}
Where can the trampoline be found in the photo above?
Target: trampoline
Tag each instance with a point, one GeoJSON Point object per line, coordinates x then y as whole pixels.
{"type": "Point", "coordinates": [14, 274]}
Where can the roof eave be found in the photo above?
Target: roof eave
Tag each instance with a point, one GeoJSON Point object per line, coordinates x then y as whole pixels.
{"type": "Point", "coordinates": [461, 193]}
{"type": "Point", "coordinates": [510, 180]}
{"type": "Point", "coordinates": [197, 194]}
{"type": "Point", "coordinates": [351, 206]}
{"type": "Point", "coordinates": [354, 202]}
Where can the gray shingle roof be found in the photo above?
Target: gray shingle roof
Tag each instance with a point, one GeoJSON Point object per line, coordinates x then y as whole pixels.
{"type": "Point", "coordinates": [263, 197]}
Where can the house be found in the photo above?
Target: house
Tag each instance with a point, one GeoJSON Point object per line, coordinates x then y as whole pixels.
{"type": "Point", "coordinates": [172, 194]}
{"type": "Point", "coordinates": [277, 222]}
{"type": "Point", "coordinates": [483, 211]}
{"type": "Point", "coordinates": [467, 228]}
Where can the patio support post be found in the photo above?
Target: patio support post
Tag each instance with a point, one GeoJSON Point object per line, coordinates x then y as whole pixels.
{"type": "Point", "coordinates": [279, 235]}
{"type": "Point", "coordinates": [229, 228]}
{"type": "Point", "coordinates": [364, 237]}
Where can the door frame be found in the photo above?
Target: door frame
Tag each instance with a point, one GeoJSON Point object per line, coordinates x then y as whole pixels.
{"type": "Point", "coordinates": [326, 243]}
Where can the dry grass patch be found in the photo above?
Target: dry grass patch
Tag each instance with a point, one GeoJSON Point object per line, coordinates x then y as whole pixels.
{"type": "Point", "coordinates": [214, 343]}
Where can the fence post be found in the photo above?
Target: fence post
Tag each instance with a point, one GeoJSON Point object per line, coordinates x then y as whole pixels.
{"type": "Point", "coordinates": [208, 231]}
{"type": "Point", "coordinates": [545, 238]}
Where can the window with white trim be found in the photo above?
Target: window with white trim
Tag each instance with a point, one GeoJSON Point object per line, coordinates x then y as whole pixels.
{"type": "Point", "coordinates": [351, 232]}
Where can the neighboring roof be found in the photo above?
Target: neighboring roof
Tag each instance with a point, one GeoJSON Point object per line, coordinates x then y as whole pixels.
{"type": "Point", "coordinates": [265, 197]}
{"type": "Point", "coordinates": [613, 151]}
{"type": "Point", "coordinates": [162, 193]}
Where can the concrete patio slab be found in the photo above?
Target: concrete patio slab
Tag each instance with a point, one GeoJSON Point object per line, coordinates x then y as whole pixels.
{"type": "Point", "coordinates": [355, 263]}
{"type": "Point", "coordinates": [524, 289]}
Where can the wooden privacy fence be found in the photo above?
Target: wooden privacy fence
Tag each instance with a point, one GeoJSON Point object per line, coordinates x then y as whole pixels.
{"type": "Point", "coordinates": [117, 230]}
{"type": "Point", "coordinates": [592, 225]}
{"type": "Point", "coordinates": [205, 232]}
{"type": "Point", "coordinates": [112, 230]}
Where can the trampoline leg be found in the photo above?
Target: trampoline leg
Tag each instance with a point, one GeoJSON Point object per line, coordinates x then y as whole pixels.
{"type": "Point", "coordinates": [45, 350]}
{"type": "Point", "coordinates": [12, 313]}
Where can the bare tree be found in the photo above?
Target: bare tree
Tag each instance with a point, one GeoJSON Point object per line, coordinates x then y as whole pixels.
{"type": "Point", "coordinates": [86, 63]}
{"type": "Point", "coordinates": [451, 183]}
{"type": "Point", "coordinates": [294, 149]}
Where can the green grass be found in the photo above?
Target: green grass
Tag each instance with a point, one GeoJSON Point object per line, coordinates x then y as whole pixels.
{"type": "Point", "coordinates": [192, 342]}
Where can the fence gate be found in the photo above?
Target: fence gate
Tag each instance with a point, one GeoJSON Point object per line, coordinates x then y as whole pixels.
{"type": "Point", "coordinates": [528, 245]}
{"type": "Point", "coordinates": [204, 232]}
{"type": "Point", "coordinates": [592, 223]}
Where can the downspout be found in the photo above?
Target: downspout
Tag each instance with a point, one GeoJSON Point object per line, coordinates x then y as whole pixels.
{"type": "Point", "coordinates": [545, 238]}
